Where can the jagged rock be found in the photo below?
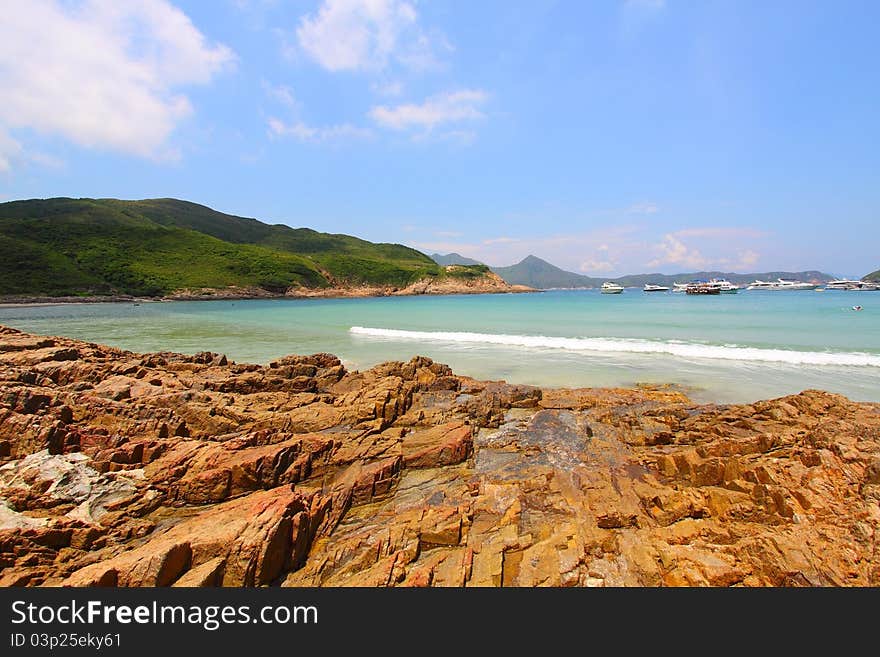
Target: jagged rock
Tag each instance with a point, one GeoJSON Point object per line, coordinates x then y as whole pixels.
{"type": "Point", "coordinates": [122, 469]}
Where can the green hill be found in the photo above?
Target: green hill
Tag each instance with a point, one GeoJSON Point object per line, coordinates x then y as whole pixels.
{"type": "Point", "coordinates": [65, 246]}
{"type": "Point", "coordinates": [453, 259]}
{"type": "Point", "coordinates": [874, 276]}
{"type": "Point", "coordinates": [540, 274]}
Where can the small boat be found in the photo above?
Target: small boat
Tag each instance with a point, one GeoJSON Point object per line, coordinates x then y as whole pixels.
{"type": "Point", "coordinates": [611, 288]}
{"type": "Point", "coordinates": [650, 287]}
{"type": "Point", "coordinates": [679, 287]}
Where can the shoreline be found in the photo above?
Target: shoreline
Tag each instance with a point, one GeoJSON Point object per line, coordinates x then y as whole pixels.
{"type": "Point", "coordinates": [327, 293]}
{"type": "Point", "coordinates": [490, 284]}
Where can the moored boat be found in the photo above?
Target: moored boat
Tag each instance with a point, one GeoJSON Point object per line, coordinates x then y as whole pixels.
{"type": "Point", "coordinates": [650, 287]}
{"type": "Point", "coordinates": [782, 284]}
{"type": "Point", "coordinates": [608, 287]}
{"type": "Point", "coordinates": [702, 287]}
{"type": "Point", "coordinates": [850, 285]}
{"type": "Point", "coordinates": [724, 286]}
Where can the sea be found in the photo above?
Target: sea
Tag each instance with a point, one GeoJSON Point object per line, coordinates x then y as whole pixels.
{"type": "Point", "coordinates": [729, 348]}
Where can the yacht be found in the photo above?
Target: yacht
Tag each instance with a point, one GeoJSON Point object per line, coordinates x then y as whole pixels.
{"type": "Point", "coordinates": [724, 286]}
{"type": "Point", "coordinates": [849, 284]}
{"type": "Point", "coordinates": [782, 284]}
{"type": "Point", "coordinates": [679, 287]}
{"type": "Point", "coordinates": [611, 288]}
{"type": "Point", "coordinates": [842, 284]}
{"type": "Point", "coordinates": [649, 287]}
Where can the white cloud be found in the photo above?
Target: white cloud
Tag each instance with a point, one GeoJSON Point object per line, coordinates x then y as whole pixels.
{"type": "Point", "coordinates": [502, 240]}
{"type": "Point", "coordinates": [723, 232]}
{"type": "Point", "coordinates": [283, 94]}
{"type": "Point", "coordinates": [588, 266]}
{"type": "Point", "coordinates": [745, 260]}
{"type": "Point", "coordinates": [451, 107]}
{"type": "Point", "coordinates": [100, 73]}
{"type": "Point", "coordinates": [644, 207]}
{"type": "Point", "coordinates": [366, 35]}
{"type": "Point", "coordinates": [301, 131]}
{"type": "Point", "coordinates": [393, 88]}
{"type": "Point", "coordinates": [298, 129]}
{"type": "Point", "coordinates": [674, 252]}
{"type": "Point", "coordinates": [9, 151]}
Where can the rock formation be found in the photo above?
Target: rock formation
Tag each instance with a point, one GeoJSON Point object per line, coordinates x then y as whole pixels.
{"type": "Point", "coordinates": [125, 469]}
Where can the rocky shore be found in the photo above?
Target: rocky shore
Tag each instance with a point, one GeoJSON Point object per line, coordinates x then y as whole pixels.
{"type": "Point", "coordinates": [488, 283]}
{"type": "Point", "coordinates": [126, 469]}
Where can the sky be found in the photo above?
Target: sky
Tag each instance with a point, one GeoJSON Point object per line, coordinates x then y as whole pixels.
{"type": "Point", "coordinates": [608, 137]}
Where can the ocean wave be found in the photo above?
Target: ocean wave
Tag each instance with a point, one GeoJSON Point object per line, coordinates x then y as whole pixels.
{"type": "Point", "coordinates": [635, 346]}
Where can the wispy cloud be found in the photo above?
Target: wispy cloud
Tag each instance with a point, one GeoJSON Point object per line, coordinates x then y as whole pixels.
{"type": "Point", "coordinates": [597, 266]}
{"type": "Point", "coordinates": [721, 232]}
{"type": "Point", "coordinates": [645, 207]}
{"type": "Point", "coordinates": [283, 94]}
{"type": "Point", "coordinates": [672, 250]}
{"type": "Point", "coordinates": [448, 233]}
{"type": "Point", "coordinates": [368, 35]}
{"type": "Point", "coordinates": [102, 75]}
{"type": "Point", "coordinates": [316, 134]}
{"type": "Point", "coordinates": [425, 118]}
{"type": "Point", "coordinates": [391, 88]}
{"type": "Point", "coordinates": [299, 129]}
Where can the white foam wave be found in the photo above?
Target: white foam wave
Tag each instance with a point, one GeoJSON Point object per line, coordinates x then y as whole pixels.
{"type": "Point", "coordinates": [629, 345]}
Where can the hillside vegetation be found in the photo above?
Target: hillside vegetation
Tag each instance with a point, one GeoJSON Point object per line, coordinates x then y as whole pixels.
{"type": "Point", "coordinates": [64, 246]}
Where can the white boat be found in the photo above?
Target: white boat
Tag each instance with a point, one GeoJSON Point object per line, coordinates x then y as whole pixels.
{"type": "Point", "coordinates": [724, 286]}
{"type": "Point", "coordinates": [611, 288]}
{"type": "Point", "coordinates": [679, 287]}
{"type": "Point", "coordinates": [650, 287]}
{"type": "Point", "coordinates": [782, 284]}
{"type": "Point", "coordinates": [849, 284]}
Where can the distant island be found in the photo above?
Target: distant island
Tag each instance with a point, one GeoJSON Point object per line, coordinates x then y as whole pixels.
{"type": "Point", "coordinates": [540, 274]}
{"type": "Point", "coordinates": [104, 248]}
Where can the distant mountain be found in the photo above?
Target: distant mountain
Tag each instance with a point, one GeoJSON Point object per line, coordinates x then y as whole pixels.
{"type": "Point", "coordinates": [537, 273]}
{"type": "Point", "coordinates": [453, 259]}
{"type": "Point", "coordinates": [66, 246]}
{"type": "Point", "coordinates": [534, 272]}
{"type": "Point", "coordinates": [875, 276]}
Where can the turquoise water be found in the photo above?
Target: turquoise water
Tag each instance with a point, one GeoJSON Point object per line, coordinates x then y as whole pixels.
{"type": "Point", "coordinates": [727, 348]}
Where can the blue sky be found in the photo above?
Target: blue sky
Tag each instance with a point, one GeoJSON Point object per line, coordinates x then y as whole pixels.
{"type": "Point", "coordinates": [608, 137]}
